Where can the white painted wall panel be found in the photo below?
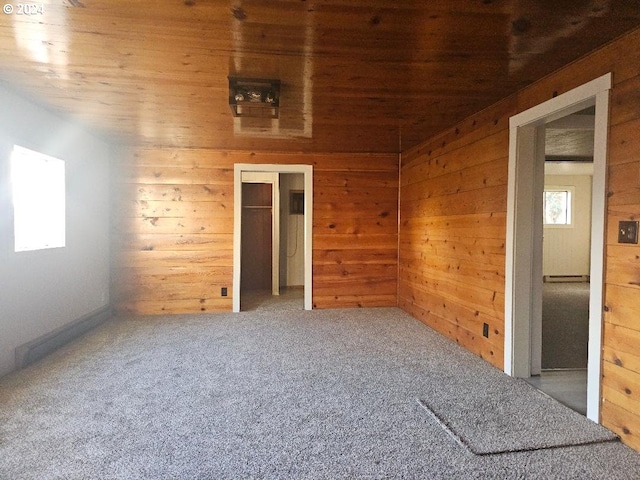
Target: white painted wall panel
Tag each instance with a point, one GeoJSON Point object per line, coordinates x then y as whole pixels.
{"type": "Point", "coordinates": [43, 290]}
{"type": "Point", "coordinates": [292, 234]}
{"type": "Point", "coordinates": [566, 250]}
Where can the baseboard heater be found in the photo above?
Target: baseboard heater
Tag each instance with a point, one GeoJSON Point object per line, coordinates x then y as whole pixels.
{"type": "Point", "coordinates": [566, 278]}
{"type": "Point", "coordinates": [39, 348]}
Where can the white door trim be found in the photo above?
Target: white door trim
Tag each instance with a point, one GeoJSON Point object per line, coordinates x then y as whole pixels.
{"type": "Point", "coordinates": [307, 170]}
{"type": "Point", "coordinates": [521, 237]}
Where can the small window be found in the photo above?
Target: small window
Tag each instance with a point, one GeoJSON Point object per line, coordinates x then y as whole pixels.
{"type": "Point", "coordinates": [558, 206]}
{"type": "Point", "coordinates": [38, 186]}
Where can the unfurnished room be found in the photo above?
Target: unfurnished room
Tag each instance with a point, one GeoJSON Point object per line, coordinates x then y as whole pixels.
{"type": "Point", "coordinates": [320, 239]}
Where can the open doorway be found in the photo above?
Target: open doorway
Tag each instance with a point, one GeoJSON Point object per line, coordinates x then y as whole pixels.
{"type": "Point", "coordinates": [524, 244]}
{"type": "Point", "coordinates": [259, 240]}
{"type": "Point", "coordinates": [292, 239]}
{"type": "Point", "coordinates": [566, 219]}
{"type": "Point", "coordinates": [272, 241]}
{"type": "Point", "coordinates": [272, 256]}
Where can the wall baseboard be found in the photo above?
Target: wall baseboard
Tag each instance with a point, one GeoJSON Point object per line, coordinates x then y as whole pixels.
{"type": "Point", "coordinates": [39, 348]}
{"type": "Point", "coordinates": [566, 278]}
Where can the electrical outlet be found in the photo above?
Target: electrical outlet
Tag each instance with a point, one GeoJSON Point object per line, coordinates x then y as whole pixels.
{"type": "Point", "coordinates": [223, 291]}
{"type": "Point", "coordinates": [485, 330]}
{"type": "Point", "coordinates": [628, 232]}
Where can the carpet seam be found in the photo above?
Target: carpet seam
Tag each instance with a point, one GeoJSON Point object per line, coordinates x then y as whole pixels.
{"type": "Point", "coordinates": [550, 447]}
{"type": "Point", "coordinates": [463, 443]}
{"type": "Point", "coordinates": [459, 440]}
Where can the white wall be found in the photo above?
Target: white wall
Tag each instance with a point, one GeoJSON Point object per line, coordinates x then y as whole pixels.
{"type": "Point", "coordinates": [291, 234]}
{"type": "Point", "coordinates": [566, 250]}
{"type": "Point", "coordinates": [41, 291]}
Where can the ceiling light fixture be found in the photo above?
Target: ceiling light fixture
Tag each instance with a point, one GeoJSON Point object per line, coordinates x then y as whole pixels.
{"type": "Point", "coordinates": [253, 97]}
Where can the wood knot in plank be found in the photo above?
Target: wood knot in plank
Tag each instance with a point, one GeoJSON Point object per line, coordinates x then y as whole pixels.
{"type": "Point", "coordinates": [520, 26]}
{"type": "Point", "coordinates": [239, 14]}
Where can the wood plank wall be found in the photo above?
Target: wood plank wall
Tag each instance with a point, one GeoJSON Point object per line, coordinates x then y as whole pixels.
{"type": "Point", "coordinates": [173, 228]}
{"type": "Point", "coordinates": [452, 227]}
{"type": "Point", "coordinates": [452, 232]}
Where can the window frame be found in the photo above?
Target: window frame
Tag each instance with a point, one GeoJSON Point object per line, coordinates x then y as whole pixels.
{"type": "Point", "coordinates": [570, 189]}
{"type": "Point", "coordinates": [38, 197]}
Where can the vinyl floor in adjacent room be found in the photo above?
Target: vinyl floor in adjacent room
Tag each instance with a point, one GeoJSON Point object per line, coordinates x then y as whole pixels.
{"type": "Point", "coordinates": [278, 393]}
{"type": "Point", "coordinates": [569, 387]}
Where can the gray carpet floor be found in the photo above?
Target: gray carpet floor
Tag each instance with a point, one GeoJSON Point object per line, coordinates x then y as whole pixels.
{"type": "Point", "coordinates": [322, 394]}
{"type": "Point", "coordinates": [565, 325]}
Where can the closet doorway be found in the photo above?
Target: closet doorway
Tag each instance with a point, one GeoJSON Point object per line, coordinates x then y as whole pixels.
{"type": "Point", "coordinates": [258, 238]}
{"type": "Point", "coordinates": [272, 236]}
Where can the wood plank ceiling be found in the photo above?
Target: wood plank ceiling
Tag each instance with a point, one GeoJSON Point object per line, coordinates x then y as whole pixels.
{"type": "Point", "coordinates": [358, 75]}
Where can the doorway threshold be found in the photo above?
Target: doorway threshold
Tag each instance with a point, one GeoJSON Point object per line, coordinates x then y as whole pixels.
{"type": "Point", "coordinates": [264, 300]}
{"type": "Point", "coordinates": [567, 386]}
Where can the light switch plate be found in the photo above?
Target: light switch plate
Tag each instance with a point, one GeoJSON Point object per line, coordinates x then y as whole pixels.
{"type": "Point", "coordinates": [628, 231]}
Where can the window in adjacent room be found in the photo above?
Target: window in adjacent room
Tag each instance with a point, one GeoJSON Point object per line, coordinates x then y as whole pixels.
{"type": "Point", "coordinates": [558, 206]}
{"type": "Point", "coordinates": [38, 186]}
